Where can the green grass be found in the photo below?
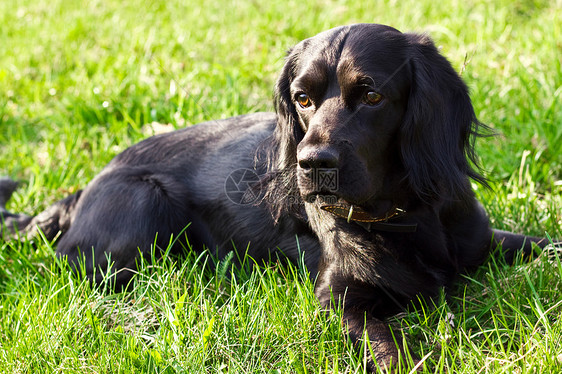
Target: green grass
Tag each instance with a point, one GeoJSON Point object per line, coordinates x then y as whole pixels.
{"type": "Point", "coordinates": [80, 79]}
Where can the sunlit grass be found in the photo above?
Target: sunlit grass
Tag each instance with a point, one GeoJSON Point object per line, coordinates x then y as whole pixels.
{"type": "Point", "coordinates": [80, 79]}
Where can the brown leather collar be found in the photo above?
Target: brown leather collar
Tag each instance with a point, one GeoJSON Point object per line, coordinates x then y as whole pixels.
{"type": "Point", "coordinates": [353, 213]}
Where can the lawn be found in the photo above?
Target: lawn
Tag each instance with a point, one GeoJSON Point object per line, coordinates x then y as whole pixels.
{"type": "Point", "coordinates": [80, 81]}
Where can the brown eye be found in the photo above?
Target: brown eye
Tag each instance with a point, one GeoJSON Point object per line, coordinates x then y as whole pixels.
{"type": "Point", "coordinates": [372, 98]}
{"type": "Point", "coordinates": [303, 100]}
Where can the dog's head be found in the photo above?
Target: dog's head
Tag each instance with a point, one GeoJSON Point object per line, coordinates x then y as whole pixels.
{"type": "Point", "coordinates": [371, 115]}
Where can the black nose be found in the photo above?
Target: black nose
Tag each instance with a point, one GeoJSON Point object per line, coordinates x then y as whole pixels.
{"type": "Point", "coordinates": [314, 158]}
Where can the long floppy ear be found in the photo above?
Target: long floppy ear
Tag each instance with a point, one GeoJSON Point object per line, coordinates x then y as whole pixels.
{"type": "Point", "coordinates": [281, 188]}
{"type": "Point", "coordinates": [287, 133]}
{"type": "Point", "coordinates": [437, 137]}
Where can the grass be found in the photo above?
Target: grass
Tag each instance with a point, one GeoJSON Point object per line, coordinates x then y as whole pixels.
{"type": "Point", "coordinates": [80, 79]}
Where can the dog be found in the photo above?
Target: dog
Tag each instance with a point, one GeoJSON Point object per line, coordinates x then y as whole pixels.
{"type": "Point", "coordinates": [364, 172]}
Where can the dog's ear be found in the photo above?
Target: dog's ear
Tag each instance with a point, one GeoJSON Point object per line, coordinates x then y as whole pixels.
{"type": "Point", "coordinates": [288, 133]}
{"type": "Point", "coordinates": [281, 188]}
{"type": "Point", "coordinates": [437, 136]}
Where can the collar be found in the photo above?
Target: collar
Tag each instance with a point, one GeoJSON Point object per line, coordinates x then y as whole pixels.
{"type": "Point", "coordinates": [356, 214]}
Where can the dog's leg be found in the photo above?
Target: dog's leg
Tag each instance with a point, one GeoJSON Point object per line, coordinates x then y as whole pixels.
{"type": "Point", "coordinates": [512, 244]}
{"type": "Point", "coordinates": [55, 219]}
{"type": "Point", "coordinates": [386, 350]}
{"type": "Point", "coordinates": [50, 222]}
{"type": "Point", "coordinates": [364, 307]}
{"type": "Point", "coordinates": [9, 222]}
{"type": "Point", "coordinates": [127, 213]}
{"type": "Point", "coordinates": [7, 188]}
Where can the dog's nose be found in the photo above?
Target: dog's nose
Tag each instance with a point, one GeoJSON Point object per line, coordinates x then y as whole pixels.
{"type": "Point", "coordinates": [314, 158]}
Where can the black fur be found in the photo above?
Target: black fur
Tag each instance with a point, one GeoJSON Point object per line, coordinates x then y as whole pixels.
{"type": "Point", "coordinates": [413, 150]}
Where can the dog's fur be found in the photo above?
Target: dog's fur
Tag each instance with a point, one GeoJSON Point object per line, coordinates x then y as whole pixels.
{"type": "Point", "coordinates": [411, 148]}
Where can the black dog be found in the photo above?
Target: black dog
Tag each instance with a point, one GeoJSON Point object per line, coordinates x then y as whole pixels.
{"type": "Point", "coordinates": [367, 162]}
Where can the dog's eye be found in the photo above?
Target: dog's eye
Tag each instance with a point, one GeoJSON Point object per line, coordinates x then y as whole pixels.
{"type": "Point", "coordinates": [372, 98]}
{"type": "Point", "coordinates": [303, 100]}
